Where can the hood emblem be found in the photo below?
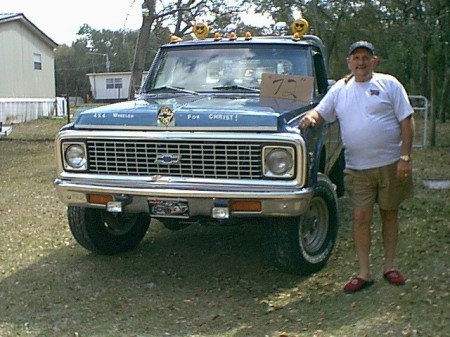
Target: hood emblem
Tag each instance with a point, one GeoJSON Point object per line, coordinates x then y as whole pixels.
{"type": "Point", "coordinates": [166, 116]}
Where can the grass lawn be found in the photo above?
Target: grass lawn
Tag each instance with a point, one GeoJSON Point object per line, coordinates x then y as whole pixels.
{"type": "Point", "coordinates": [208, 281]}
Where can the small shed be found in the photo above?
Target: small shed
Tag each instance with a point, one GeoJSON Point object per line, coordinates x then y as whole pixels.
{"type": "Point", "coordinates": [111, 87]}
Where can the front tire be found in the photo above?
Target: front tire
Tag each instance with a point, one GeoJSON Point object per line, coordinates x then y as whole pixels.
{"type": "Point", "coordinates": [302, 245]}
{"type": "Point", "coordinates": [106, 233]}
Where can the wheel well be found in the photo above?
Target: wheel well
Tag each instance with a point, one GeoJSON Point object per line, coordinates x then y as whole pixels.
{"type": "Point", "coordinates": [336, 172]}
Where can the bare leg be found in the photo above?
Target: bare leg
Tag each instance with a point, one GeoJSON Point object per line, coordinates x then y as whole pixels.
{"type": "Point", "coordinates": [390, 236]}
{"type": "Point", "coordinates": [362, 219]}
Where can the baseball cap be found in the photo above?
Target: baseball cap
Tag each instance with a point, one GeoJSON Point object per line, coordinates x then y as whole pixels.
{"type": "Point", "coordinates": [361, 44]}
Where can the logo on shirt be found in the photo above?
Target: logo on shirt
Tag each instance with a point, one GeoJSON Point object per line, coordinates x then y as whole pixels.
{"type": "Point", "coordinates": [374, 92]}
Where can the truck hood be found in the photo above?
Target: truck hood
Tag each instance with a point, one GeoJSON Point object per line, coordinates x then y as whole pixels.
{"type": "Point", "coordinates": [188, 112]}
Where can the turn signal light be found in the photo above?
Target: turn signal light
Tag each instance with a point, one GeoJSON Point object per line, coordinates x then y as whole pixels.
{"type": "Point", "coordinates": [245, 206]}
{"type": "Point", "coordinates": [101, 199]}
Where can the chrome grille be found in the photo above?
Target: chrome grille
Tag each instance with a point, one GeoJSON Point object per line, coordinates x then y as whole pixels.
{"type": "Point", "coordinates": [216, 160]}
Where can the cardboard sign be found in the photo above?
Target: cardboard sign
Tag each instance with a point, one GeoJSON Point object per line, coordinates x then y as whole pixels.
{"type": "Point", "coordinates": [293, 87]}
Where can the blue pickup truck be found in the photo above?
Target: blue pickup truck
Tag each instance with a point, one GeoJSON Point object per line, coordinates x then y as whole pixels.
{"type": "Point", "coordinates": [212, 138]}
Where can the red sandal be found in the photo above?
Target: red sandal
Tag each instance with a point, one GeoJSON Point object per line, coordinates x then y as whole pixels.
{"type": "Point", "coordinates": [394, 277]}
{"type": "Point", "coordinates": [357, 284]}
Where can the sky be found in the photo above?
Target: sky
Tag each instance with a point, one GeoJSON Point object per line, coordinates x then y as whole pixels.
{"type": "Point", "coordinates": [60, 20]}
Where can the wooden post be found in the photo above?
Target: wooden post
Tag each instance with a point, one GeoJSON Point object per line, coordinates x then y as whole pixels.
{"type": "Point", "coordinates": [68, 108]}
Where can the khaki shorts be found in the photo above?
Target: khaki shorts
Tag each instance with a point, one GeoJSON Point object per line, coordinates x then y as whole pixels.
{"type": "Point", "coordinates": [378, 185]}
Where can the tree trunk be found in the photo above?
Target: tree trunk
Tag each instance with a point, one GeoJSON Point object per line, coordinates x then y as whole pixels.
{"type": "Point", "coordinates": [141, 47]}
{"type": "Point", "coordinates": [446, 88]}
{"type": "Point", "coordinates": [433, 109]}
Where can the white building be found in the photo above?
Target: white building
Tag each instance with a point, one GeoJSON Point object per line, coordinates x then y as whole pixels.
{"type": "Point", "coordinates": [27, 70]}
{"type": "Point", "coordinates": [111, 87]}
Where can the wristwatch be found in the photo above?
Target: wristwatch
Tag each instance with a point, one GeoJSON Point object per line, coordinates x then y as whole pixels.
{"type": "Point", "coordinates": [405, 157]}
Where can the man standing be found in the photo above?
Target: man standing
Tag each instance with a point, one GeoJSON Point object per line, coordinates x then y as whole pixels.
{"type": "Point", "coordinates": [377, 126]}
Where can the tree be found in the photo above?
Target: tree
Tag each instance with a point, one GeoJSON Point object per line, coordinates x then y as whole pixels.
{"type": "Point", "coordinates": [411, 37]}
{"type": "Point", "coordinates": [90, 53]}
{"type": "Point", "coordinates": [148, 18]}
{"type": "Point", "coordinates": [70, 70]}
{"type": "Point", "coordinates": [180, 15]}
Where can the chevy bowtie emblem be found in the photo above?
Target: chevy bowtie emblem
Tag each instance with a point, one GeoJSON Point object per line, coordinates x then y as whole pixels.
{"type": "Point", "coordinates": [167, 158]}
{"type": "Point", "coordinates": [165, 116]}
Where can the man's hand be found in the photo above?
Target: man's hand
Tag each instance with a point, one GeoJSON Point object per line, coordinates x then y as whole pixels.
{"type": "Point", "coordinates": [307, 122]}
{"type": "Point", "coordinates": [404, 170]}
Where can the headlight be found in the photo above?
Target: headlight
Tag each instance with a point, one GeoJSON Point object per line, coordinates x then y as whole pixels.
{"type": "Point", "coordinates": [278, 161]}
{"type": "Point", "coordinates": [75, 156]}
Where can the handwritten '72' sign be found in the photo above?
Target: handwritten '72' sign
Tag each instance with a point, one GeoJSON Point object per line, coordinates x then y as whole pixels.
{"type": "Point", "coordinates": [292, 87]}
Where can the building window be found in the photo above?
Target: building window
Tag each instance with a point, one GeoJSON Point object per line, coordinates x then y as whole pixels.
{"type": "Point", "coordinates": [113, 83]}
{"type": "Point", "coordinates": [37, 60]}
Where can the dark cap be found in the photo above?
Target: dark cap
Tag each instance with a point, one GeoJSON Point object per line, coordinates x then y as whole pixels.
{"type": "Point", "coordinates": [361, 44]}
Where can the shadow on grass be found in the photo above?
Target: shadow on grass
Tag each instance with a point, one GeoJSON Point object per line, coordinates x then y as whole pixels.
{"type": "Point", "coordinates": [199, 281]}
{"type": "Point", "coordinates": [210, 281]}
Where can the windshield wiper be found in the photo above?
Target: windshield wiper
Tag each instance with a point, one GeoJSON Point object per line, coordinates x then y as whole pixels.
{"type": "Point", "coordinates": [235, 87]}
{"type": "Point", "coordinates": [168, 87]}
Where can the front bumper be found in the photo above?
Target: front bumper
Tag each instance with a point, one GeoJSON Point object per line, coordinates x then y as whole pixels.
{"type": "Point", "coordinates": [201, 200]}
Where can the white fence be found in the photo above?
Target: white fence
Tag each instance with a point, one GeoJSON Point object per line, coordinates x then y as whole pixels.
{"type": "Point", "coordinates": [422, 108]}
{"type": "Point", "coordinates": [19, 110]}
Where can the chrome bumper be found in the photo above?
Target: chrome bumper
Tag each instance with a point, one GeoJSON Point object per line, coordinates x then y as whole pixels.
{"type": "Point", "coordinates": [283, 201]}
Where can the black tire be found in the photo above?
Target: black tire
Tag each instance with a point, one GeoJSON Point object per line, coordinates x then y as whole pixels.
{"type": "Point", "coordinates": [106, 233]}
{"type": "Point", "coordinates": [302, 245]}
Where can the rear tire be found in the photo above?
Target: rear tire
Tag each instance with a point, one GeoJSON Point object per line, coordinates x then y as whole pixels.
{"type": "Point", "coordinates": [302, 245]}
{"type": "Point", "coordinates": [107, 233]}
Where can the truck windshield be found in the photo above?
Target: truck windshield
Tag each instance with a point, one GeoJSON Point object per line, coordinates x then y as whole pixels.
{"type": "Point", "coordinates": [221, 68]}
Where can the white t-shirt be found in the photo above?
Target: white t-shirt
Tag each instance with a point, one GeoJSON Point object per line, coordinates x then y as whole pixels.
{"type": "Point", "coordinates": [369, 114]}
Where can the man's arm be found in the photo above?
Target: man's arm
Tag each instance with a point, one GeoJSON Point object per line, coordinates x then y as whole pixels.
{"type": "Point", "coordinates": [404, 168]}
{"type": "Point", "coordinates": [407, 130]}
